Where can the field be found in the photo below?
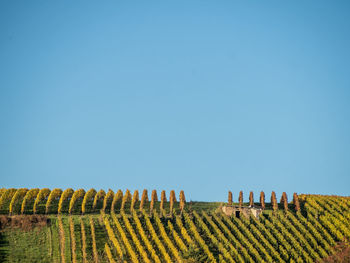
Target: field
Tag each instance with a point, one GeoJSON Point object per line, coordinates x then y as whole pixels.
{"type": "Point", "coordinates": [79, 226]}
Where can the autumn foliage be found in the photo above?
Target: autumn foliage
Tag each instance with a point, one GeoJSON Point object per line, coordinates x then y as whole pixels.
{"type": "Point", "coordinates": [117, 201]}
{"type": "Point", "coordinates": [135, 200]}
{"type": "Point", "coordinates": [107, 202]}
{"type": "Point", "coordinates": [162, 200]}
{"type": "Point", "coordinates": [144, 199]}
{"type": "Point", "coordinates": [229, 198]}
{"type": "Point", "coordinates": [154, 199]}
{"type": "Point", "coordinates": [88, 201]}
{"type": "Point", "coordinates": [274, 201]}
{"type": "Point", "coordinates": [240, 198]}
{"type": "Point", "coordinates": [172, 200]}
{"type": "Point", "coordinates": [126, 199]}
{"type": "Point", "coordinates": [182, 200]}
{"type": "Point", "coordinates": [251, 199]}
{"type": "Point", "coordinates": [296, 202]}
{"type": "Point", "coordinates": [262, 199]}
{"type": "Point", "coordinates": [42, 195]}
{"type": "Point", "coordinates": [284, 201]}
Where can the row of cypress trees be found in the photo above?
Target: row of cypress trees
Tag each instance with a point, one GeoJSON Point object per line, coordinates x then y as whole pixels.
{"type": "Point", "coordinates": [39, 201]}
{"type": "Point", "coordinates": [130, 201]}
{"type": "Point", "coordinates": [274, 204]}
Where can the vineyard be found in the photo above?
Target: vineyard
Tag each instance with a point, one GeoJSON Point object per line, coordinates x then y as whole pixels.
{"type": "Point", "coordinates": [112, 227]}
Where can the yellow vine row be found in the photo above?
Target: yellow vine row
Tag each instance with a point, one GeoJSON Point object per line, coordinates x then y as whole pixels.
{"type": "Point", "coordinates": [212, 237]}
{"type": "Point", "coordinates": [232, 250]}
{"type": "Point", "coordinates": [198, 237]}
{"type": "Point", "coordinates": [177, 238]}
{"type": "Point", "coordinates": [135, 238]}
{"type": "Point", "coordinates": [126, 242]}
{"type": "Point", "coordinates": [72, 238]}
{"type": "Point", "coordinates": [165, 237]}
{"type": "Point", "coordinates": [144, 238]}
{"type": "Point", "coordinates": [109, 254]}
{"type": "Point", "coordinates": [155, 238]}
{"type": "Point", "coordinates": [113, 238]}
{"type": "Point", "coordinates": [233, 239]}
{"type": "Point", "coordinates": [62, 239]}
{"type": "Point", "coordinates": [83, 240]}
{"type": "Point", "coordinates": [93, 237]}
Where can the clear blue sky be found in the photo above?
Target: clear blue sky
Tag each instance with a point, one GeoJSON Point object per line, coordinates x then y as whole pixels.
{"type": "Point", "coordinates": [204, 96]}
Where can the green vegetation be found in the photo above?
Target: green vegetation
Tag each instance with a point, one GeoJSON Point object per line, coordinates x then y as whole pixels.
{"type": "Point", "coordinates": [304, 230]}
{"type": "Point", "coordinates": [25, 246]}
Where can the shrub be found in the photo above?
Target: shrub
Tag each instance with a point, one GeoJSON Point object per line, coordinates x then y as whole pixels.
{"type": "Point", "coordinates": [117, 201]}
{"type": "Point", "coordinates": [98, 200]}
{"type": "Point", "coordinates": [107, 202]}
{"type": "Point", "coordinates": [88, 201]}
{"type": "Point", "coordinates": [5, 200]}
{"type": "Point", "coordinates": [39, 204]}
{"type": "Point", "coordinates": [2, 191]}
{"type": "Point", "coordinates": [63, 204]}
{"type": "Point", "coordinates": [52, 200]}
{"type": "Point", "coordinates": [24, 222]}
{"type": "Point", "coordinates": [28, 201]}
{"type": "Point", "coordinates": [126, 199]}
{"type": "Point", "coordinates": [77, 195]}
{"type": "Point", "coordinates": [340, 253]}
{"type": "Point", "coordinates": [15, 205]}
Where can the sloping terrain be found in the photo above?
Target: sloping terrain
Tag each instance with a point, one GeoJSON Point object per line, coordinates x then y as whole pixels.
{"type": "Point", "coordinates": [150, 231]}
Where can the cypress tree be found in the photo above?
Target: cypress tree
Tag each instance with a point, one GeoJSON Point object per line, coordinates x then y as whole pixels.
{"type": "Point", "coordinates": [240, 198]}
{"type": "Point", "coordinates": [29, 200]}
{"type": "Point", "coordinates": [162, 200]}
{"type": "Point", "coordinates": [78, 195]}
{"type": "Point", "coordinates": [117, 201]}
{"type": "Point", "coordinates": [64, 201]}
{"type": "Point", "coordinates": [107, 202]}
{"type": "Point", "coordinates": [229, 198]}
{"type": "Point", "coordinates": [98, 200]}
{"type": "Point", "coordinates": [6, 198]}
{"type": "Point", "coordinates": [173, 195]}
{"type": "Point", "coordinates": [182, 200]}
{"type": "Point", "coordinates": [40, 198]}
{"type": "Point", "coordinates": [144, 199]}
{"type": "Point", "coordinates": [154, 198]}
{"type": "Point", "coordinates": [296, 202]}
{"type": "Point", "coordinates": [262, 199]}
{"type": "Point", "coordinates": [54, 196]}
{"type": "Point", "coordinates": [251, 199]}
{"type": "Point", "coordinates": [88, 199]}
{"type": "Point", "coordinates": [135, 199]}
{"type": "Point", "coordinates": [284, 201]}
{"type": "Point", "coordinates": [274, 201]}
{"type": "Point", "coordinates": [126, 198]}
{"type": "Point", "coordinates": [172, 200]}
{"type": "Point", "coordinates": [16, 201]}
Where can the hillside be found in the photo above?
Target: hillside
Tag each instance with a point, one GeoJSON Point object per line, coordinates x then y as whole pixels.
{"type": "Point", "coordinates": [79, 226]}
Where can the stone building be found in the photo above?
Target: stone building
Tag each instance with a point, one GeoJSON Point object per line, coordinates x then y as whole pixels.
{"type": "Point", "coordinates": [239, 211]}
